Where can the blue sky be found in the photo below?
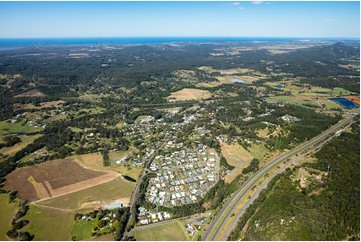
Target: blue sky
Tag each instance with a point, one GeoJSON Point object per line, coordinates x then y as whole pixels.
{"type": "Point", "coordinates": [134, 19]}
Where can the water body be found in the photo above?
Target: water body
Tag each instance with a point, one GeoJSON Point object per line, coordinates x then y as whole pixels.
{"type": "Point", "coordinates": [6, 42]}
{"type": "Point", "coordinates": [344, 102]}
{"type": "Point", "coordinates": [279, 86]}
{"type": "Point", "coordinates": [239, 81]}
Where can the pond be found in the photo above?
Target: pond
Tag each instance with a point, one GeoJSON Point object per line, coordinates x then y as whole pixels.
{"type": "Point", "coordinates": [239, 81]}
{"type": "Point", "coordinates": [279, 86]}
{"type": "Point", "coordinates": [344, 102]}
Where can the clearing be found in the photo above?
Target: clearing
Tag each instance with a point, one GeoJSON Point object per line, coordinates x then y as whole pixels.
{"type": "Point", "coordinates": [7, 211]}
{"type": "Point", "coordinates": [49, 224]}
{"type": "Point", "coordinates": [236, 156]}
{"type": "Point", "coordinates": [174, 231]}
{"type": "Point", "coordinates": [93, 197]}
{"type": "Point", "coordinates": [31, 93]}
{"type": "Point", "coordinates": [53, 178]}
{"type": "Point", "coordinates": [189, 94]}
{"type": "Point", "coordinates": [25, 140]}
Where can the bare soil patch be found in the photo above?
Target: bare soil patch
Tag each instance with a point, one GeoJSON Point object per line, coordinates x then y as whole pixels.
{"type": "Point", "coordinates": [354, 99]}
{"type": "Point", "coordinates": [189, 94]}
{"type": "Point", "coordinates": [31, 93]}
{"type": "Point", "coordinates": [54, 177]}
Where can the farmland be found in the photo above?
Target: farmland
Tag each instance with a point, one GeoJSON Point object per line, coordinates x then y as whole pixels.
{"type": "Point", "coordinates": [93, 197]}
{"type": "Point", "coordinates": [43, 181]}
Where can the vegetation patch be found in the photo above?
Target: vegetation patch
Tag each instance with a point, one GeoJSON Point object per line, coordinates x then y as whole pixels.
{"type": "Point", "coordinates": [7, 211]}
{"type": "Point", "coordinates": [174, 231]}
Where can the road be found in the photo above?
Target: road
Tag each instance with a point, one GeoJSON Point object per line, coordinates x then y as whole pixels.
{"type": "Point", "coordinates": [135, 194]}
{"type": "Point", "coordinates": [213, 231]}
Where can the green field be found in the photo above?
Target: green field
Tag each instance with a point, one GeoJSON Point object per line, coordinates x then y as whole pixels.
{"type": "Point", "coordinates": [6, 127]}
{"type": "Point", "coordinates": [115, 189]}
{"type": "Point", "coordinates": [25, 140]}
{"type": "Point", "coordinates": [48, 224]}
{"type": "Point", "coordinates": [82, 229]}
{"type": "Point", "coordinates": [258, 151]}
{"type": "Point", "coordinates": [7, 211]}
{"type": "Point", "coordinates": [173, 231]}
{"type": "Point", "coordinates": [290, 99]}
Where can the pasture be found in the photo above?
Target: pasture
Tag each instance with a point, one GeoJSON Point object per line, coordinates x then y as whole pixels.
{"type": "Point", "coordinates": [235, 154]}
{"type": "Point", "coordinates": [174, 231]}
{"type": "Point", "coordinates": [7, 211]}
{"type": "Point", "coordinates": [82, 229]}
{"type": "Point", "coordinates": [19, 127]}
{"type": "Point", "coordinates": [92, 197]}
{"type": "Point", "coordinates": [25, 140]}
{"type": "Point", "coordinates": [48, 224]}
{"type": "Point", "coordinates": [189, 94]}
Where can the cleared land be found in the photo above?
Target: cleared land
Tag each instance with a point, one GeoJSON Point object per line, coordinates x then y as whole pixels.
{"type": "Point", "coordinates": [7, 211]}
{"type": "Point", "coordinates": [82, 229]}
{"type": "Point", "coordinates": [354, 99]}
{"type": "Point", "coordinates": [49, 224]}
{"type": "Point", "coordinates": [93, 197]}
{"type": "Point", "coordinates": [174, 231]}
{"type": "Point", "coordinates": [51, 104]}
{"type": "Point", "coordinates": [25, 140]}
{"type": "Point", "coordinates": [45, 180]}
{"type": "Point", "coordinates": [19, 127]}
{"type": "Point", "coordinates": [94, 161]}
{"type": "Point", "coordinates": [236, 156]}
{"type": "Point", "coordinates": [189, 94]}
{"type": "Point", "coordinates": [31, 93]}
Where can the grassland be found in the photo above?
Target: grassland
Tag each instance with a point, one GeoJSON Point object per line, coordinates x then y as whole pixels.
{"type": "Point", "coordinates": [49, 224]}
{"type": "Point", "coordinates": [7, 211]}
{"type": "Point", "coordinates": [174, 231]}
{"type": "Point", "coordinates": [235, 154]}
{"type": "Point", "coordinates": [189, 94]}
{"type": "Point", "coordinates": [19, 127]}
{"type": "Point", "coordinates": [93, 196]}
{"type": "Point", "coordinates": [25, 140]}
{"type": "Point", "coordinates": [94, 161]}
{"type": "Point", "coordinates": [82, 229]}
{"type": "Point", "coordinates": [258, 151]}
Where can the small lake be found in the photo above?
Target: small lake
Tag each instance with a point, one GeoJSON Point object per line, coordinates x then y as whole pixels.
{"type": "Point", "coordinates": [279, 86]}
{"type": "Point", "coordinates": [344, 102]}
{"type": "Point", "coordinates": [236, 80]}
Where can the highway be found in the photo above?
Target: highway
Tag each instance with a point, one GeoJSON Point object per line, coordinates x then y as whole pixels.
{"type": "Point", "coordinates": [219, 223]}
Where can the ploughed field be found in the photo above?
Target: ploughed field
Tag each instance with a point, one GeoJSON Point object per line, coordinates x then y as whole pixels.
{"type": "Point", "coordinates": [53, 178]}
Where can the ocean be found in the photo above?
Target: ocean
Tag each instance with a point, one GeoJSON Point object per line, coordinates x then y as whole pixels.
{"type": "Point", "coordinates": [20, 42]}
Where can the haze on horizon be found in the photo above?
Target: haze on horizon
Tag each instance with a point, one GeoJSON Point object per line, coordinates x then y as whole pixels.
{"type": "Point", "coordinates": [175, 19]}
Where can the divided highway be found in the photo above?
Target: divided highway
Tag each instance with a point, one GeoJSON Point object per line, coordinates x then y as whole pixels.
{"type": "Point", "coordinates": [214, 229]}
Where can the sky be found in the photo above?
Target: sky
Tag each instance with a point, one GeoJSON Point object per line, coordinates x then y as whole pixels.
{"type": "Point", "coordinates": [154, 19]}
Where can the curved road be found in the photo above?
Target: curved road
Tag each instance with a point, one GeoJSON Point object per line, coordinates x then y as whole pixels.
{"type": "Point", "coordinates": [229, 207]}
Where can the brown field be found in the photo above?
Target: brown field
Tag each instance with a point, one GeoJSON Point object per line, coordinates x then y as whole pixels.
{"type": "Point", "coordinates": [53, 178]}
{"type": "Point", "coordinates": [31, 93]}
{"type": "Point", "coordinates": [189, 94]}
{"type": "Point", "coordinates": [235, 154]}
{"type": "Point", "coordinates": [354, 99]}
{"type": "Point", "coordinates": [94, 161]}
